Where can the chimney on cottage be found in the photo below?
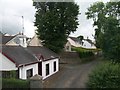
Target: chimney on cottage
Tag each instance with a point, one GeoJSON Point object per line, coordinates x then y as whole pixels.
{"type": "Point", "coordinates": [22, 39]}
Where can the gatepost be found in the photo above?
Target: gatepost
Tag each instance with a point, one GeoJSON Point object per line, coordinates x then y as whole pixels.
{"type": "Point", "coordinates": [36, 82]}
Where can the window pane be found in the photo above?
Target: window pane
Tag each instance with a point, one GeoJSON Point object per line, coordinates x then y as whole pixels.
{"type": "Point", "coordinates": [54, 66]}
{"type": "Point", "coordinates": [29, 73]}
{"type": "Point", "coordinates": [47, 69]}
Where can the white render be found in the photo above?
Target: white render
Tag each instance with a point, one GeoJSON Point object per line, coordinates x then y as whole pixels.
{"type": "Point", "coordinates": [23, 41]}
{"type": "Point", "coordinates": [68, 46]}
{"type": "Point", "coordinates": [51, 67]}
{"type": "Point", "coordinates": [23, 70]}
{"type": "Point", "coordinates": [73, 43]}
{"type": "Point", "coordinates": [86, 44]}
{"type": "Point", "coordinates": [6, 64]}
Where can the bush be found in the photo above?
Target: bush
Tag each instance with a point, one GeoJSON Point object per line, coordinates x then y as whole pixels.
{"type": "Point", "coordinates": [106, 75]}
{"type": "Point", "coordinates": [15, 83]}
{"type": "Point", "coordinates": [83, 53]}
{"type": "Point", "coordinates": [10, 74]}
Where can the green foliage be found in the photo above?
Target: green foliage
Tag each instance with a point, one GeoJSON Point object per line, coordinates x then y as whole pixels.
{"type": "Point", "coordinates": [9, 74]}
{"type": "Point", "coordinates": [106, 75]}
{"type": "Point", "coordinates": [106, 17]}
{"type": "Point", "coordinates": [99, 11]}
{"type": "Point", "coordinates": [55, 21]}
{"type": "Point", "coordinates": [83, 53]}
{"type": "Point", "coordinates": [15, 83]}
{"type": "Point", "coordinates": [111, 40]}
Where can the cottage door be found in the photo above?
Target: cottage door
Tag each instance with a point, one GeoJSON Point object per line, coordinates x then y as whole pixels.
{"type": "Point", "coordinates": [40, 68]}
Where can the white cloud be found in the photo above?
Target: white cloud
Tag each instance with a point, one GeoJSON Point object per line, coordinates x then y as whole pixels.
{"type": "Point", "coordinates": [13, 10]}
{"type": "Point", "coordinates": [29, 28]}
{"type": "Point", "coordinates": [11, 16]}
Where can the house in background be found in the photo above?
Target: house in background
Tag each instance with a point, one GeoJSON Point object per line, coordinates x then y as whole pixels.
{"type": "Point", "coordinates": [87, 43]}
{"type": "Point", "coordinates": [34, 41]}
{"type": "Point", "coordinates": [5, 39]}
{"type": "Point", "coordinates": [27, 60]}
{"type": "Point", "coordinates": [16, 40]}
{"type": "Point", "coordinates": [75, 42]}
{"type": "Point", "coordinates": [20, 39]}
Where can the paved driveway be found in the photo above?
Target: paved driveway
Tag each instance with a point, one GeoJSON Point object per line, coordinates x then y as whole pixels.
{"type": "Point", "coordinates": [71, 76]}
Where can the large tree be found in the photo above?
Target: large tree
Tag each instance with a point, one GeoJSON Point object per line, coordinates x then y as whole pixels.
{"type": "Point", "coordinates": [55, 21]}
{"type": "Point", "coordinates": [106, 17]}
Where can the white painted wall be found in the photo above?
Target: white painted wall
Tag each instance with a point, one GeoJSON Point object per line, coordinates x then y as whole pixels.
{"type": "Point", "coordinates": [23, 70]}
{"type": "Point", "coordinates": [86, 44]}
{"type": "Point", "coordinates": [23, 41]}
{"type": "Point", "coordinates": [73, 43]}
{"type": "Point", "coordinates": [51, 67]}
{"type": "Point", "coordinates": [68, 46]}
{"type": "Point", "coordinates": [6, 64]}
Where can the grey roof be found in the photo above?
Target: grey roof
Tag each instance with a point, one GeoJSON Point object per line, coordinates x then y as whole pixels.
{"type": "Point", "coordinates": [19, 55]}
{"type": "Point", "coordinates": [5, 39]}
{"type": "Point", "coordinates": [45, 52]}
{"type": "Point", "coordinates": [75, 39]}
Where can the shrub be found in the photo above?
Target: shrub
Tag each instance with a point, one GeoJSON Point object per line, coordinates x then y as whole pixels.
{"type": "Point", "coordinates": [106, 75]}
{"type": "Point", "coordinates": [10, 74]}
{"type": "Point", "coordinates": [15, 83]}
{"type": "Point", "coordinates": [83, 53]}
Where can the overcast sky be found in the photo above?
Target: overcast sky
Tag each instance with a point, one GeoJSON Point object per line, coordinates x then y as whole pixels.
{"type": "Point", "coordinates": [13, 10]}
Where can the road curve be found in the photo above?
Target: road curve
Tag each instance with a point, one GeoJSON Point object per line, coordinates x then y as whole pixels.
{"type": "Point", "coordinates": [72, 76]}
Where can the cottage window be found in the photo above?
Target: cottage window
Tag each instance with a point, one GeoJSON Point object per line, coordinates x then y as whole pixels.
{"type": "Point", "coordinates": [54, 66]}
{"type": "Point", "coordinates": [47, 69]}
{"type": "Point", "coordinates": [29, 73]}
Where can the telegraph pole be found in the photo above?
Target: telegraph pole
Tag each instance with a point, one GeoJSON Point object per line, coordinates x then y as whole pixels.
{"type": "Point", "coordinates": [23, 25]}
{"type": "Point", "coordinates": [22, 17]}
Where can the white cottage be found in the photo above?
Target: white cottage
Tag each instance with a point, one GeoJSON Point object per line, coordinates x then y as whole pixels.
{"type": "Point", "coordinates": [75, 42]}
{"type": "Point", "coordinates": [19, 59]}
{"type": "Point", "coordinates": [27, 60]}
{"type": "Point", "coordinates": [28, 64]}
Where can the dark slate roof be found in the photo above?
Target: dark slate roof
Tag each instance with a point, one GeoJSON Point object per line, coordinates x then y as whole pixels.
{"type": "Point", "coordinates": [45, 52]}
{"type": "Point", "coordinates": [19, 55]}
{"type": "Point", "coordinates": [5, 39]}
{"type": "Point", "coordinates": [75, 39]}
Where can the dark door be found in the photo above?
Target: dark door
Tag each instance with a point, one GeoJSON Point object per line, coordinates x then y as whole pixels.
{"type": "Point", "coordinates": [29, 73]}
{"type": "Point", "coordinates": [40, 68]}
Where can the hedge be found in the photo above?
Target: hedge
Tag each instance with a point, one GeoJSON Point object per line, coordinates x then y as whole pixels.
{"type": "Point", "coordinates": [83, 53]}
{"type": "Point", "coordinates": [106, 75]}
{"type": "Point", "coordinates": [15, 83]}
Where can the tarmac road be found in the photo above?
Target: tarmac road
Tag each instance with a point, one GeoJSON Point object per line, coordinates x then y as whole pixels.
{"type": "Point", "coordinates": [72, 76]}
